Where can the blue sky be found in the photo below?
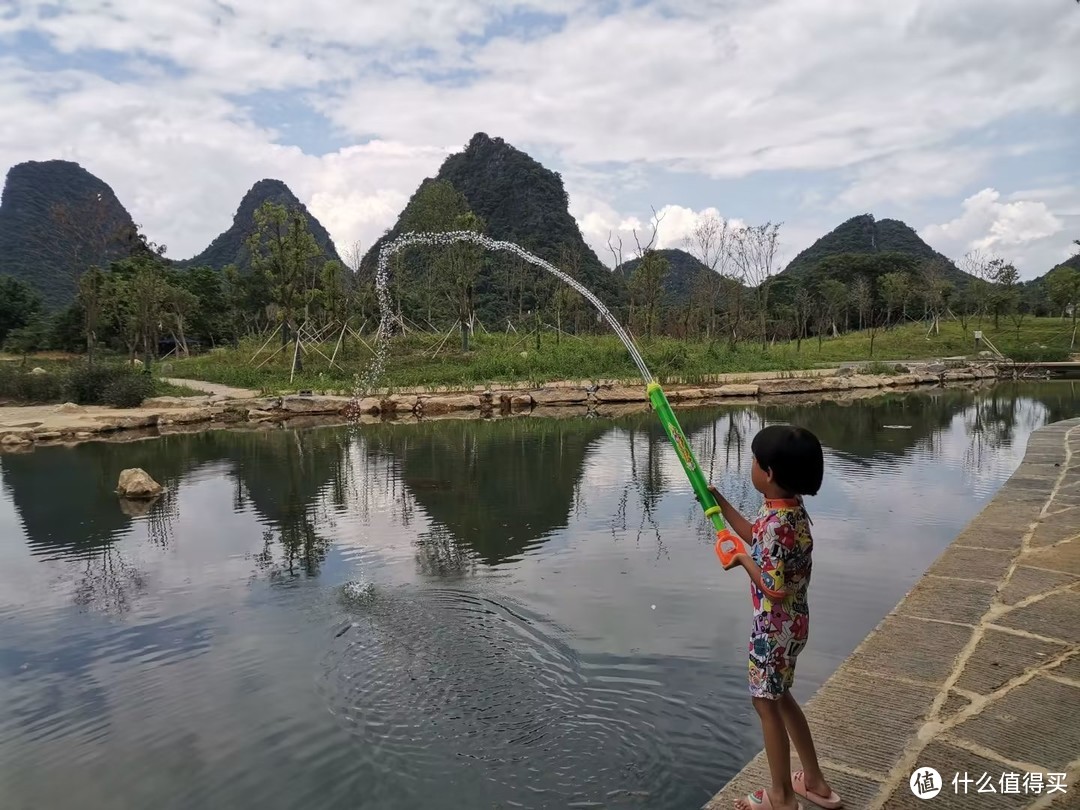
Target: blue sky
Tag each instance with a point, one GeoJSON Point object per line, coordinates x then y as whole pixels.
{"type": "Point", "coordinates": [959, 117]}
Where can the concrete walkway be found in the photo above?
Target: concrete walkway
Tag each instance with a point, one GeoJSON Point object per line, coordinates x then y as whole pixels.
{"type": "Point", "coordinates": [977, 670]}
{"type": "Point", "coordinates": [214, 389]}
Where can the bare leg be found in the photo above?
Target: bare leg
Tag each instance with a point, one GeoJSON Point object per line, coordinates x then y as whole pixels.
{"type": "Point", "coordinates": [778, 751]}
{"type": "Point", "coordinates": [799, 731]}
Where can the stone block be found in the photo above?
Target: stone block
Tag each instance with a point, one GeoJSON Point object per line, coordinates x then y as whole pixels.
{"type": "Point", "coordinates": [955, 600]}
{"type": "Point", "coordinates": [999, 657]}
{"type": "Point", "coordinates": [1029, 725]}
{"type": "Point", "coordinates": [899, 648]}
{"type": "Point", "coordinates": [1056, 616]}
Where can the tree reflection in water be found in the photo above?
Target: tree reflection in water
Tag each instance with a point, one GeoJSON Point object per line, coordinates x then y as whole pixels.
{"type": "Point", "coordinates": [470, 493]}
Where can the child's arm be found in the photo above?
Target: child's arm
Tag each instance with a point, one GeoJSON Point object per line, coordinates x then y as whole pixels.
{"type": "Point", "coordinates": [756, 577]}
{"type": "Point", "coordinates": [738, 524]}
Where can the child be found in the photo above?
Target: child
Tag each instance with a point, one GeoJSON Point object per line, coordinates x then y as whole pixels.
{"type": "Point", "coordinates": [787, 464]}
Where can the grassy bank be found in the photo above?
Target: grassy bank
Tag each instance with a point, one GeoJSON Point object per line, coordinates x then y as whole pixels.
{"type": "Point", "coordinates": [53, 381]}
{"type": "Point", "coordinates": [418, 360]}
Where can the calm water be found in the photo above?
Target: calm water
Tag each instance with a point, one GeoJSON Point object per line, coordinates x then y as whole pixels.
{"type": "Point", "coordinates": [455, 614]}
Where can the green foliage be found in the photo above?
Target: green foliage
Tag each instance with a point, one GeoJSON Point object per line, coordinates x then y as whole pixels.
{"type": "Point", "coordinates": [864, 236]}
{"type": "Point", "coordinates": [56, 220]}
{"type": "Point", "coordinates": [20, 305]}
{"type": "Point", "coordinates": [86, 385]}
{"type": "Point", "coordinates": [128, 390]}
{"type": "Point", "coordinates": [233, 247]}
{"type": "Point", "coordinates": [18, 384]}
{"type": "Point", "coordinates": [518, 200]}
{"type": "Point", "coordinates": [119, 386]}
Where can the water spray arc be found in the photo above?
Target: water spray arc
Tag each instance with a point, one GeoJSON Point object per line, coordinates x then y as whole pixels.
{"type": "Point", "coordinates": [727, 543]}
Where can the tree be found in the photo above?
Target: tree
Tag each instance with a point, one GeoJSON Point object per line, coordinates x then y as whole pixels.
{"type": "Point", "coordinates": [979, 267]}
{"type": "Point", "coordinates": [895, 292]}
{"type": "Point", "coordinates": [711, 244]}
{"type": "Point", "coordinates": [20, 305]}
{"type": "Point", "coordinates": [647, 287]}
{"type": "Point", "coordinates": [935, 291]}
{"type": "Point", "coordinates": [284, 252]}
{"type": "Point", "coordinates": [803, 308]}
{"type": "Point", "coordinates": [1005, 295]}
{"type": "Point", "coordinates": [755, 256]}
{"type": "Point", "coordinates": [464, 268]}
{"type": "Point", "coordinates": [646, 282]}
{"type": "Point", "coordinates": [833, 301]}
{"type": "Point", "coordinates": [1063, 285]}
{"type": "Point", "coordinates": [862, 296]}
{"type": "Point", "coordinates": [91, 292]}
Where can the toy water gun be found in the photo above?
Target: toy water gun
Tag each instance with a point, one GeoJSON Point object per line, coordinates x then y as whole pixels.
{"type": "Point", "coordinates": [728, 544]}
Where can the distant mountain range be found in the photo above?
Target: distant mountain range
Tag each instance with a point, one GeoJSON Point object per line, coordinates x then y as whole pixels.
{"type": "Point", "coordinates": [56, 217]}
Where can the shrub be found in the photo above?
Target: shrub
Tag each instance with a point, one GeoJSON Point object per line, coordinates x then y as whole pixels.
{"type": "Point", "coordinates": [103, 384]}
{"type": "Point", "coordinates": [1038, 354]}
{"type": "Point", "coordinates": [18, 384]}
{"type": "Point", "coordinates": [128, 390]}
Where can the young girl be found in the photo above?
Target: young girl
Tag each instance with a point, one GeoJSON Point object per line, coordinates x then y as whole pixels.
{"type": "Point", "coordinates": [788, 464]}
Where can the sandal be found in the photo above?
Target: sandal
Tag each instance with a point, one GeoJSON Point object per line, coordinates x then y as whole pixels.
{"type": "Point", "coordinates": [760, 798]}
{"type": "Point", "coordinates": [830, 802]}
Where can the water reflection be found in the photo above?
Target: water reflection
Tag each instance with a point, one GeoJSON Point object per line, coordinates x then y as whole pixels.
{"type": "Point", "coordinates": [497, 488]}
{"type": "Point", "coordinates": [200, 654]}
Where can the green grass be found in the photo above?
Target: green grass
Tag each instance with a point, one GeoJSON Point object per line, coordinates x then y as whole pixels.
{"type": "Point", "coordinates": [1038, 338]}
{"type": "Point", "coordinates": [501, 358]}
{"type": "Point", "coordinates": [164, 389]}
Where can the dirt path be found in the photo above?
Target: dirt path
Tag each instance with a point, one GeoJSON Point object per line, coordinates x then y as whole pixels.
{"type": "Point", "coordinates": [214, 389]}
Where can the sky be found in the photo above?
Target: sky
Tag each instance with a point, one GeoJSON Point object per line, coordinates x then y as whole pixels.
{"type": "Point", "coordinates": [958, 117]}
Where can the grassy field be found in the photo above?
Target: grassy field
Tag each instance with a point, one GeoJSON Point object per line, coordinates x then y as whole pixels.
{"type": "Point", "coordinates": [414, 360]}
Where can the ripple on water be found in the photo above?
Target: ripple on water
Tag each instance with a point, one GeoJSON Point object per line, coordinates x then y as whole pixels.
{"type": "Point", "coordinates": [427, 679]}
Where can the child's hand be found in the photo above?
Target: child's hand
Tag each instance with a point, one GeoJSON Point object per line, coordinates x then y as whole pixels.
{"type": "Point", "coordinates": [738, 559]}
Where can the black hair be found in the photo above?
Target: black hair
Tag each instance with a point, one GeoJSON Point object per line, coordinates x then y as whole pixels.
{"type": "Point", "coordinates": [793, 455]}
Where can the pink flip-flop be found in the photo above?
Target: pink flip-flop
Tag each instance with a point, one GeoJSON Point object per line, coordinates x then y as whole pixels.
{"type": "Point", "coordinates": [830, 802]}
{"type": "Point", "coordinates": [760, 798]}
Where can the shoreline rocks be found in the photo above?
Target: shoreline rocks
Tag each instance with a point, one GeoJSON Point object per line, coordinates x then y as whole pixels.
{"type": "Point", "coordinates": [66, 424]}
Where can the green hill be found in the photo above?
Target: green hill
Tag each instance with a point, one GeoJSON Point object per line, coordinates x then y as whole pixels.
{"type": "Point", "coordinates": [518, 200]}
{"type": "Point", "coordinates": [231, 246]}
{"type": "Point", "coordinates": [684, 277]}
{"type": "Point", "coordinates": [865, 237]}
{"type": "Point", "coordinates": [57, 219]}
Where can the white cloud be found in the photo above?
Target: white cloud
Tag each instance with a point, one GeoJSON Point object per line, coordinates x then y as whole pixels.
{"type": "Point", "coordinates": [720, 87]}
{"type": "Point", "coordinates": [1025, 232]}
{"type": "Point", "coordinates": [907, 177]}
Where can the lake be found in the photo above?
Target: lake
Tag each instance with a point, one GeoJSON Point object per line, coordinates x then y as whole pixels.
{"type": "Point", "coordinates": [453, 614]}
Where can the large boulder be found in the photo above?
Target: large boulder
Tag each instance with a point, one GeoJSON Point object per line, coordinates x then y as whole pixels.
{"type": "Point", "coordinates": [621, 393]}
{"type": "Point", "coordinates": [431, 405]}
{"type": "Point", "coordinates": [135, 483]}
{"type": "Point", "coordinates": [791, 385]}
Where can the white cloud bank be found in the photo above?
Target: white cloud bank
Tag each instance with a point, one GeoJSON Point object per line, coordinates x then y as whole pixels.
{"type": "Point", "coordinates": [721, 88]}
{"type": "Point", "coordinates": [1021, 231]}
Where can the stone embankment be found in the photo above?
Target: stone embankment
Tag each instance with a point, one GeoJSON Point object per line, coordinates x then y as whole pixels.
{"type": "Point", "coordinates": [23, 427]}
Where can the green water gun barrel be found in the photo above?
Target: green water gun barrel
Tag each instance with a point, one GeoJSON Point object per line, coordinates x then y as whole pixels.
{"type": "Point", "coordinates": [686, 455]}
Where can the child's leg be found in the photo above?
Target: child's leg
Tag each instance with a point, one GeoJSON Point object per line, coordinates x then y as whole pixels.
{"type": "Point", "coordinates": [778, 751]}
{"type": "Point", "coordinates": [799, 730]}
